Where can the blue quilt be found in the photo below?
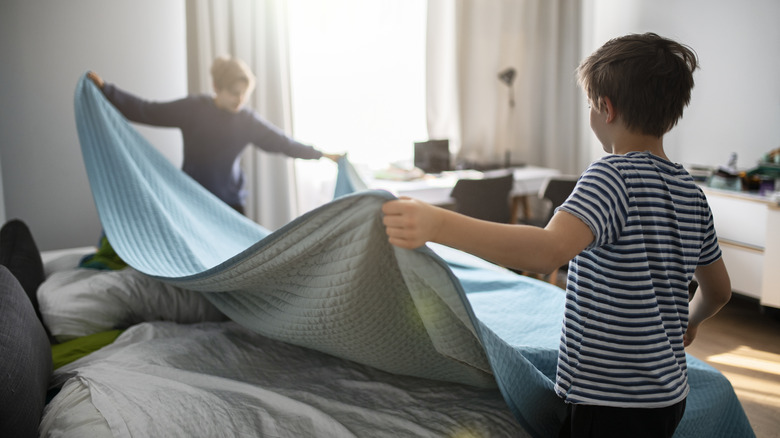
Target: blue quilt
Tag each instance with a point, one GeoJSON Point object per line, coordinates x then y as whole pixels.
{"type": "Point", "coordinates": [329, 281]}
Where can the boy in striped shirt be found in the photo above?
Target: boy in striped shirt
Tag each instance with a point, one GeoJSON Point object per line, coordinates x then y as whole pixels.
{"type": "Point", "coordinates": [636, 230]}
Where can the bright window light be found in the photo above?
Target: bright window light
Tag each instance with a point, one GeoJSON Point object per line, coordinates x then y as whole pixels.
{"type": "Point", "coordinates": [358, 84]}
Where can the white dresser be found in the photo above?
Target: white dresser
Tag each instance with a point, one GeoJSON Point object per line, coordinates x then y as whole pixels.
{"type": "Point", "coordinates": [748, 228]}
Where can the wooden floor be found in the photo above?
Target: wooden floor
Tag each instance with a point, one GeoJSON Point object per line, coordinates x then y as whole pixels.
{"type": "Point", "coordinates": [743, 342]}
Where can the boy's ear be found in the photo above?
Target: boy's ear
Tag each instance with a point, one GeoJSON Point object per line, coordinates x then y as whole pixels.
{"type": "Point", "coordinates": [609, 109]}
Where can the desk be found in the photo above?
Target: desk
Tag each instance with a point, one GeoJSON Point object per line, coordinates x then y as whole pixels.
{"type": "Point", "coordinates": [748, 228]}
{"type": "Point", "coordinates": [436, 189]}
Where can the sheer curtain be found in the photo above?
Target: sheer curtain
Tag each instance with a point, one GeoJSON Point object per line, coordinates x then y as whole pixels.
{"type": "Point", "coordinates": [254, 31]}
{"type": "Point", "coordinates": [358, 69]}
{"type": "Point", "coordinates": [537, 119]}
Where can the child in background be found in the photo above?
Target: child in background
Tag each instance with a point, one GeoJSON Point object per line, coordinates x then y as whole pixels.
{"type": "Point", "coordinates": [215, 128]}
{"type": "Point", "coordinates": [636, 230]}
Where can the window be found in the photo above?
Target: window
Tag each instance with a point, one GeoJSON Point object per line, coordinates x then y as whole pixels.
{"type": "Point", "coordinates": [358, 84]}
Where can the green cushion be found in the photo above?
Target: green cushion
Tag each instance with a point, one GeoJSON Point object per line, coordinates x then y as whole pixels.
{"type": "Point", "coordinates": [67, 352]}
{"type": "Point", "coordinates": [104, 259]}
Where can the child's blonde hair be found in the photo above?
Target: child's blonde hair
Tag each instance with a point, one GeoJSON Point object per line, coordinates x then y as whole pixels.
{"type": "Point", "coordinates": [226, 71]}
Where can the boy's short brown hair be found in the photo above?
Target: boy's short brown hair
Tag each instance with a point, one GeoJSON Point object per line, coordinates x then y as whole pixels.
{"type": "Point", "coordinates": [226, 71]}
{"type": "Point", "coordinates": [648, 78]}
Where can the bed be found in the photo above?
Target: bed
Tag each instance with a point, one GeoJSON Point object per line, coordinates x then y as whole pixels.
{"type": "Point", "coordinates": [321, 328]}
{"type": "Point", "coordinates": [157, 377]}
{"type": "Point", "coordinates": [166, 362]}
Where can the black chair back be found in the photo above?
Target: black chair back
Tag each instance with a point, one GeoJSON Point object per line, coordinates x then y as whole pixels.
{"type": "Point", "coordinates": [556, 190]}
{"type": "Point", "coordinates": [486, 198]}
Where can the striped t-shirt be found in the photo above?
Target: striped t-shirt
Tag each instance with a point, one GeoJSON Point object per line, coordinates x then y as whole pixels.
{"type": "Point", "coordinates": [627, 293]}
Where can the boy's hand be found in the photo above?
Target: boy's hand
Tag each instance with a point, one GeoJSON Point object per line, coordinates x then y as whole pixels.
{"type": "Point", "coordinates": [690, 335]}
{"type": "Point", "coordinates": [410, 223]}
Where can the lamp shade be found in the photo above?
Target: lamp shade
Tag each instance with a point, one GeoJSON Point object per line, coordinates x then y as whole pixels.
{"type": "Point", "coordinates": [507, 76]}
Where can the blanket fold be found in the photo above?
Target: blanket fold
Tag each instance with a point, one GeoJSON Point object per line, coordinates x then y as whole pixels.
{"type": "Point", "coordinates": [330, 281]}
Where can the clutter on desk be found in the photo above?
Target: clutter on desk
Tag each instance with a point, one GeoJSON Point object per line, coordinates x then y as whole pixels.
{"type": "Point", "coordinates": [486, 166]}
{"type": "Point", "coordinates": [400, 171]}
{"type": "Point", "coordinates": [727, 177]}
{"type": "Point", "coordinates": [765, 177]}
{"type": "Point", "coordinates": [700, 174]}
{"type": "Point", "coordinates": [407, 171]}
{"type": "Point", "coordinates": [762, 179]}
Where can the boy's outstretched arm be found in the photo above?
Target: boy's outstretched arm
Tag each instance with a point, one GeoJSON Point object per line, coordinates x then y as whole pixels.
{"type": "Point", "coordinates": [714, 292]}
{"type": "Point", "coordinates": [411, 223]}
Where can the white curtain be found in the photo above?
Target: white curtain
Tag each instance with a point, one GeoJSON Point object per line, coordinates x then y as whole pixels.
{"type": "Point", "coordinates": [256, 32]}
{"type": "Point", "coordinates": [469, 43]}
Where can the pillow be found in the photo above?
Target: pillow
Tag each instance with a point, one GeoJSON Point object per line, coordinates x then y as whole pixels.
{"type": "Point", "coordinates": [73, 414]}
{"type": "Point", "coordinates": [64, 259]}
{"type": "Point", "coordinates": [80, 302]}
{"type": "Point", "coordinates": [26, 361]}
{"type": "Point", "coordinates": [20, 255]}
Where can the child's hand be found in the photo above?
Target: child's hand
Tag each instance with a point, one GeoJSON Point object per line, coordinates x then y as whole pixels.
{"type": "Point", "coordinates": [410, 223]}
{"type": "Point", "coordinates": [690, 335]}
{"type": "Point", "coordinates": [96, 79]}
{"type": "Point", "coordinates": [333, 157]}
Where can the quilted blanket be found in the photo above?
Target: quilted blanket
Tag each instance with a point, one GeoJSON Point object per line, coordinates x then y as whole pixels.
{"type": "Point", "coordinates": [329, 281]}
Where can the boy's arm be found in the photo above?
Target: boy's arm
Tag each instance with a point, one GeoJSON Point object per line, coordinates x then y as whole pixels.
{"type": "Point", "coordinates": [411, 223]}
{"type": "Point", "coordinates": [714, 292]}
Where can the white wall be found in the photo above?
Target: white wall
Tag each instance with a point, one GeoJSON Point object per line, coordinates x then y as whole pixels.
{"type": "Point", "coordinates": [735, 104]}
{"type": "Point", "coordinates": [45, 47]}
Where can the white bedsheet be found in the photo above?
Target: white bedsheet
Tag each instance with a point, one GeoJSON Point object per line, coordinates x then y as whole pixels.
{"type": "Point", "coordinates": [219, 379]}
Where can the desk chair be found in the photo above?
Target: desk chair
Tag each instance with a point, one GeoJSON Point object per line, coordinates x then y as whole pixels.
{"type": "Point", "coordinates": [486, 198]}
{"type": "Point", "coordinates": [554, 191]}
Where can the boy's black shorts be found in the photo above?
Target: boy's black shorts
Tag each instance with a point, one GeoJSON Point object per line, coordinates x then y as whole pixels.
{"type": "Point", "coordinates": [606, 422]}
